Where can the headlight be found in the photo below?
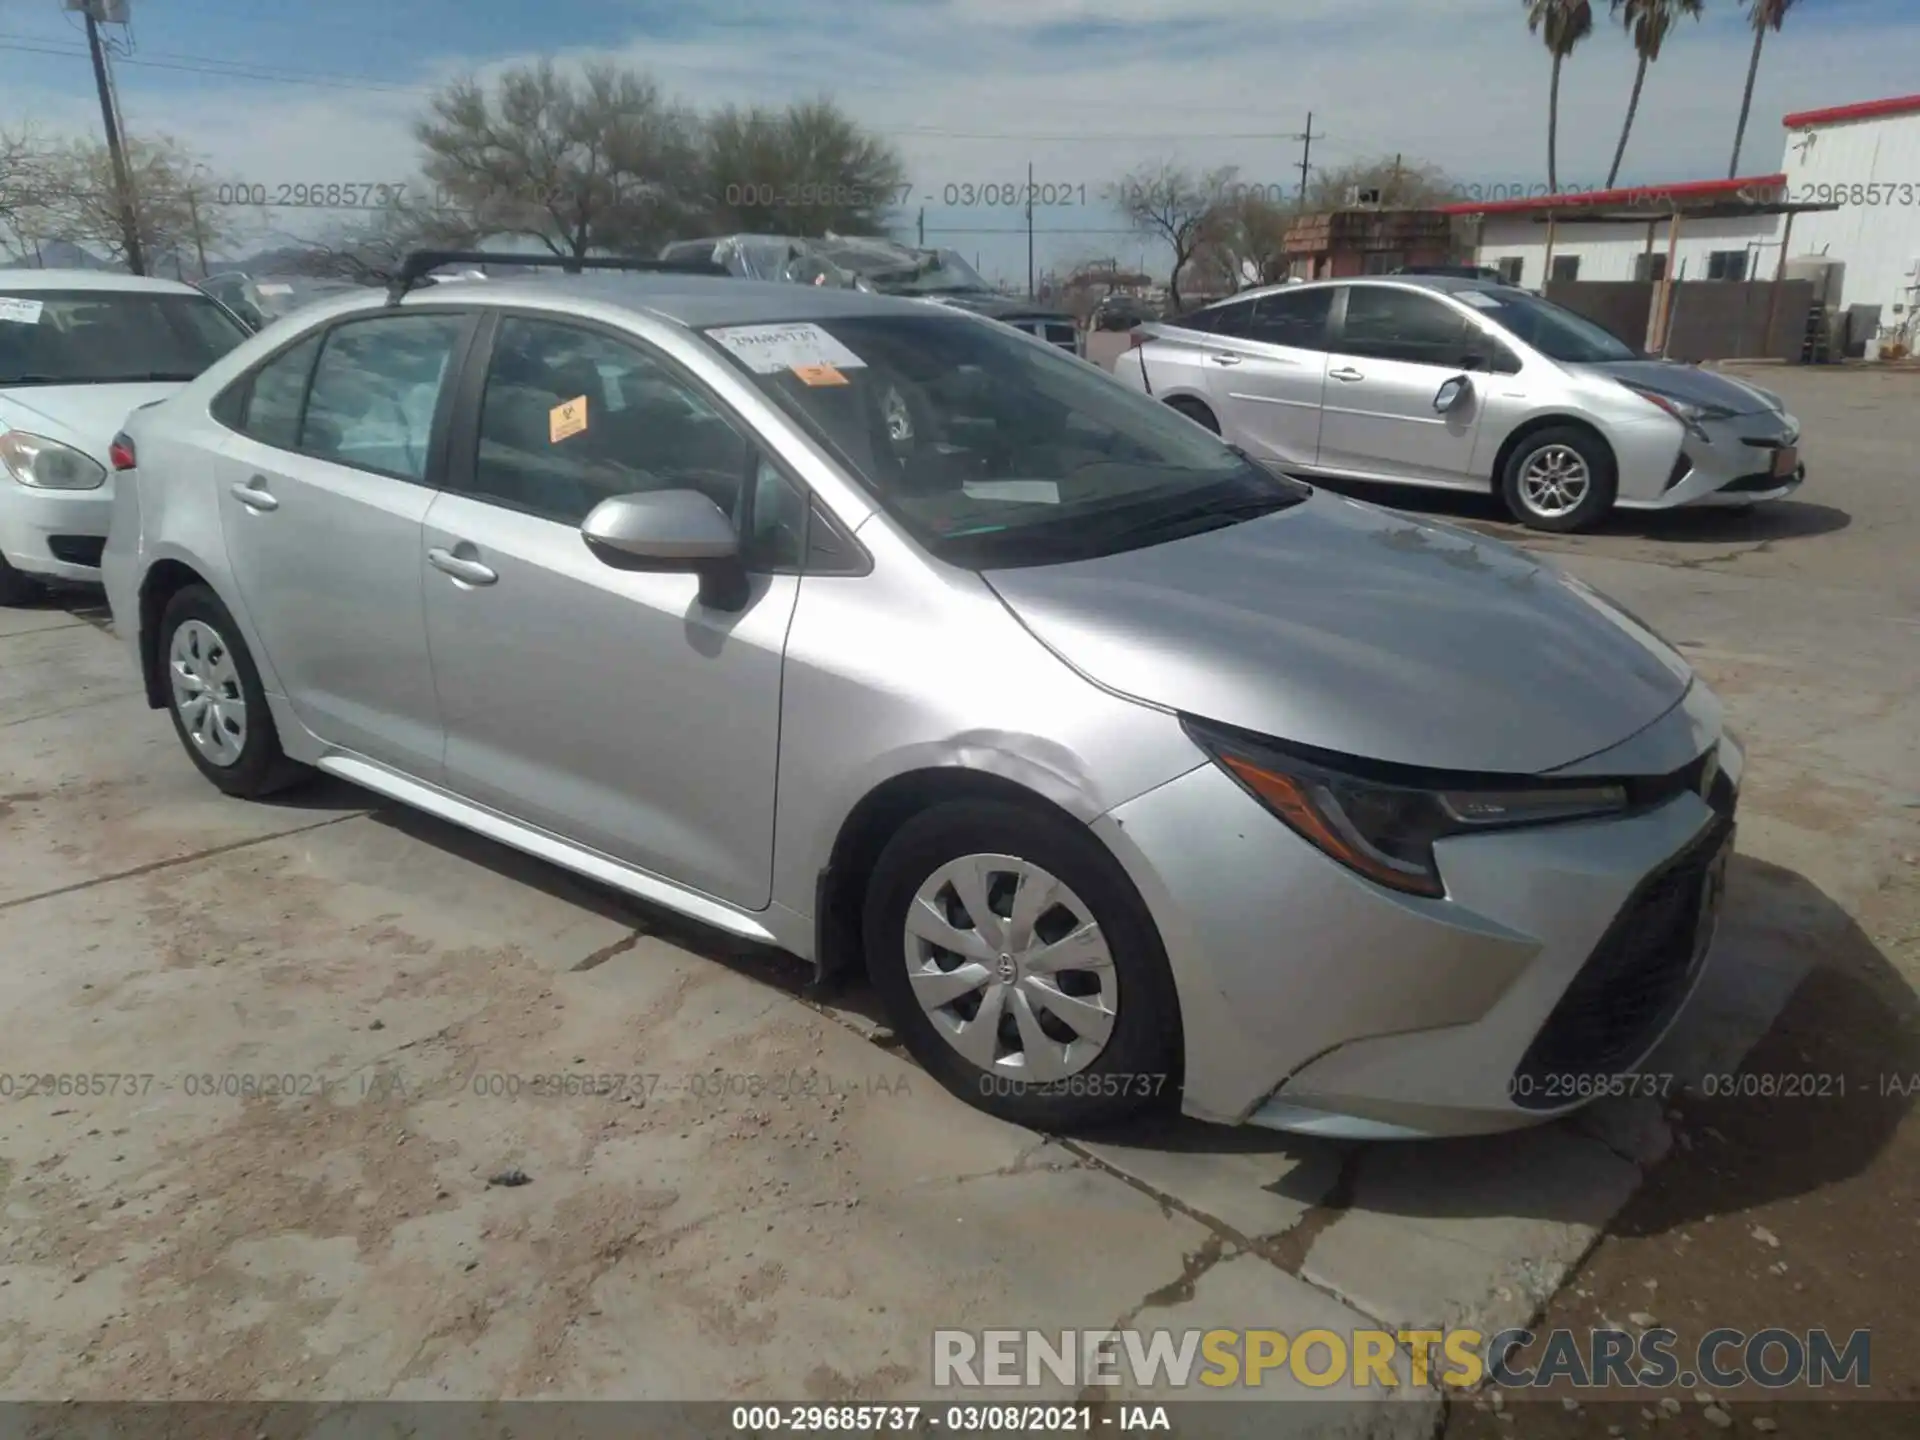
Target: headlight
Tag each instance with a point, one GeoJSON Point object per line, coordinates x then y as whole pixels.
{"type": "Point", "coordinates": [1685, 411]}
{"type": "Point", "coordinates": [47, 464]}
{"type": "Point", "coordinates": [1385, 829]}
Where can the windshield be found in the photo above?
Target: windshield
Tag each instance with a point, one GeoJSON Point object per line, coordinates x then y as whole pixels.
{"type": "Point", "coordinates": [1553, 330]}
{"type": "Point", "coordinates": [109, 337]}
{"type": "Point", "coordinates": [896, 270]}
{"type": "Point", "coordinates": [994, 450]}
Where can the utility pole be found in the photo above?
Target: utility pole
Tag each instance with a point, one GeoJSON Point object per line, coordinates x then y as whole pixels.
{"type": "Point", "coordinates": [1394, 194]}
{"type": "Point", "coordinates": [922, 227]}
{"type": "Point", "coordinates": [199, 236]}
{"type": "Point", "coordinates": [129, 225]}
{"type": "Point", "coordinates": [1029, 229]}
{"type": "Point", "coordinates": [1306, 156]}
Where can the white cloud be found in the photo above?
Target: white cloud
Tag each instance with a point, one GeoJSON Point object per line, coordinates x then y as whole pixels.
{"type": "Point", "coordinates": [1462, 86]}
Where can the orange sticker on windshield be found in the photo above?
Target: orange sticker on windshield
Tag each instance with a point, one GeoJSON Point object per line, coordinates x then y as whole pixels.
{"type": "Point", "coordinates": [819, 375]}
{"type": "Point", "coordinates": [569, 418]}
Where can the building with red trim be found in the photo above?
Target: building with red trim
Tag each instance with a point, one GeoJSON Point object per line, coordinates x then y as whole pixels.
{"type": "Point", "coordinates": [1847, 189]}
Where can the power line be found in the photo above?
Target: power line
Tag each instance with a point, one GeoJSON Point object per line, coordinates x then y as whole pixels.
{"type": "Point", "coordinates": [224, 69]}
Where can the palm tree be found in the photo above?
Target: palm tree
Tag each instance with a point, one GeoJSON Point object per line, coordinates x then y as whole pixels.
{"type": "Point", "coordinates": [1763, 15]}
{"type": "Point", "coordinates": [1648, 21]}
{"type": "Point", "coordinates": [1563, 24]}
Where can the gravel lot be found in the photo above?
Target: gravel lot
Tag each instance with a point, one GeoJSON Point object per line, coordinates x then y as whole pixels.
{"type": "Point", "coordinates": [318, 1023]}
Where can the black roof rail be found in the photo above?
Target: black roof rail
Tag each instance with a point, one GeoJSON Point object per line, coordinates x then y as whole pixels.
{"type": "Point", "coordinates": [421, 263]}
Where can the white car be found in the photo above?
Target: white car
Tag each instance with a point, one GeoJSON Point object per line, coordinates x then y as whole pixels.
{"type": "Point", "coordinates": [79, 351]}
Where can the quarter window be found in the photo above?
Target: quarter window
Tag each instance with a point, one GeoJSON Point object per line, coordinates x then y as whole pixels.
{"type": "Point", "coordinates": [1385, 322]}
{"type": "Point", "coordinates": [375, 390]}
{"type": "Point", "coordinates": [272, 411]}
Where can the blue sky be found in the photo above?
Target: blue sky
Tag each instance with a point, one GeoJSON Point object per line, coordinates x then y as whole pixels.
{"type": "Point", "coordinates": [972, 90]}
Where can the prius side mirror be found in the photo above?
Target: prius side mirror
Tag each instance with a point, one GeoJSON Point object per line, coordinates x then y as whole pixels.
{"type": "Point", "coordinates": [1452, 393]}
{"type": "Point", "coordinates": [670, 532]}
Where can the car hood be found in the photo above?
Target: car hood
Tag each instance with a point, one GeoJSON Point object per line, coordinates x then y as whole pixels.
{"type": "Point", "coordinates": [1358, 630]}
{"type": "Point", "coordinates": [86, 417]}
{"type": "Point", "coordinates": [1688, 383]}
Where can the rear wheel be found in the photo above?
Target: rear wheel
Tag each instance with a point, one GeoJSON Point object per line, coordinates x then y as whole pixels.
{"type": "Point", "coordinates": [1195, 411]}
{"type": "Point", "coordinates": [1559, 479]}
{"type": "Point", "coordinates": [1020, 966]}
{"type": "Point", "coordinates": [214, 695]}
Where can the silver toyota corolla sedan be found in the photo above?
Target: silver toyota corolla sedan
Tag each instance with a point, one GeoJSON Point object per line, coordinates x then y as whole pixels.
{"type": "Point", "coordinates": [1125, 768]}
{"type": "Point", "coordinates": [1463, 384]}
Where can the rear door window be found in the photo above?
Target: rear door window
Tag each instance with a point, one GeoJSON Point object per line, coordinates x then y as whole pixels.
{"type": "Point", "coordinates": [1296, 318]}
{"type": "Point", "coordinates": [375, 390]}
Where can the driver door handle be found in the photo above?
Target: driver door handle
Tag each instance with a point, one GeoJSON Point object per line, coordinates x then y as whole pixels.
{"type": "Point", "coordinates": [1346, 372]}
{"type": "Point", "coordinates": [471, 571]}
{"type": "Point", "coordinates": [1224, 359]}
{"type": "Point", "coordinates": [254, 494]}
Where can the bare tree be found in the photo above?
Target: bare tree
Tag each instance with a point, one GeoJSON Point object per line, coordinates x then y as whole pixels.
{"type": "Point", "coordinates": [599, 161]}
{"type": "Point", "coordinates": [1174, 205]}
{"type": "Point", "coordinates": [1243, 240]}
{"type": "Point", "coordinates": [1400, 184]}
{"type": "Point", "coordinates": [27, 184]}
{"type": "Point", "coordinates": [373, 252]}
{"type": "Point", "coordinates": [805, 170]}
{"type": "Point", "coordinates": [174, 203]}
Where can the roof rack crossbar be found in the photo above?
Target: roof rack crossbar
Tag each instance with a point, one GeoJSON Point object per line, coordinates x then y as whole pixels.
{"type": "Point", "coordinates": [421, 263]}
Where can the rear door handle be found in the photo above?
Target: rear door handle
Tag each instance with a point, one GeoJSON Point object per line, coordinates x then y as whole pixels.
{"type": "Point", "coordinates": [1346, 373]}
{"type": "Point", "coordinates": [461, 568]}
{"type": "Point", "coordinates": [255, 495]}
{"type": "Point", "coordinates": [1224, 359]}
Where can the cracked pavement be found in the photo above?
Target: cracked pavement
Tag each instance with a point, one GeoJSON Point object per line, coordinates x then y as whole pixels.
{"type": "Point", "coordinates": [313, 1032]}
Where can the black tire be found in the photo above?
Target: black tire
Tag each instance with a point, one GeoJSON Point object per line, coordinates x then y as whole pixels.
{"type": "Point", "coordinates": [15, 588]}
{"type": "Point", "coordinates": [1139, 1065]}
{"type": "Point", "coordinates": [262, 767]}
{"type": "Point", "coordinates": [1195, 411]}
{"type": "Point", "coordinates": [1602, 478]}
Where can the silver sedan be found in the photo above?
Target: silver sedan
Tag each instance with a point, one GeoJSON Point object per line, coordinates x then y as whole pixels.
{"type": "Point", "coordinates": [1463, 384]}
{"type": "Point", "coordinates": [1129, 771]}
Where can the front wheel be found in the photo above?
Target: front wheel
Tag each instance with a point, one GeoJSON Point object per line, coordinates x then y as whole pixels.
{"type": "Point", "coordinates": [1021, 967]}
{"type": "Point", "coordinates": [15, 588]}
{"type": "Point", "coordinates": [214, 695]}
{"type": "Point", "coordinates": [1559, 479]}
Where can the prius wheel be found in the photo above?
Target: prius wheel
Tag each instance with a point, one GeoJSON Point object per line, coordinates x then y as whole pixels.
{"type": "Point", "coordinates": [1560, 479]}
{"type": "Point", "coordinates": [1021, 967]}
{"type": "Point", "coordinates": [1195, 411]}
{"type": "Point", "coordinates": [214, 695]}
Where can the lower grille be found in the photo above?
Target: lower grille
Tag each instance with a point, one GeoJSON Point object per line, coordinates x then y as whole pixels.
{"type": "Point", "coordinates": [77, 549]}
{"type": "Point", "coordinates": [1759, 482]}
{"type": "Point", "coordinates": [1682, 468]}
{"type": "Point", "coordinates": [1632, 985]}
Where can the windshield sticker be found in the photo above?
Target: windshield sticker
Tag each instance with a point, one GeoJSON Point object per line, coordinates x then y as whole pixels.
{"type": "Point", "coordinates": [820, 375]}
{"type": "Point", "coordinates": [274, 288]}
{"type": "Point", "coordinates": [1476, 299]}
{"type": "Point", "coordinates": [769, 349]}
{"type": "Point", "coordinates": [1030, 492]}
{"type": "Point", "coordinates": [569, 418]}
{"type": "Point", "coordinates": [20, 312]}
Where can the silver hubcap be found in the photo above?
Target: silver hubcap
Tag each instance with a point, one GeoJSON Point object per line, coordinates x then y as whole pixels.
{"type": "Point", "coordinates": [1555, 481]}
{"type": "Point", "coordinates": [207, 694]}
{"type": "Point", "coordinates": [1011, 968]}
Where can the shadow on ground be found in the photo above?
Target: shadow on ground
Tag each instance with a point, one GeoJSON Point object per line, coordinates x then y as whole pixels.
{"type": "Point", "coordinates": [1789, 519]}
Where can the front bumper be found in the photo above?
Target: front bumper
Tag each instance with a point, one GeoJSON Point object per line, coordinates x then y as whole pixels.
{"type": "Point", "coordinates": [1732, 463]}
{"type": "Point", "coordinates": [54, 534]}
{"type": "Point", "coordinates": [1313, 1000]}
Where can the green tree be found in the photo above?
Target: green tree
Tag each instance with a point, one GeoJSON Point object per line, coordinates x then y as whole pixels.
{"type": "Point", "coordinates": [1649, 22]}
{"type": "Point", "coordinates": [602, 160]}
{"type": "Point", "coordinates": [1763, 15]}
{"type": "Point", "coordinates": [805, 170]}
{"type": "Point", "coordinates": [1562, 24]}
{"type": "Point", "coordinates": [174, 203]}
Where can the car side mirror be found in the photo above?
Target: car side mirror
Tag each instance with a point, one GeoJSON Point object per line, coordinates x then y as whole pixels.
{"type": "Point", "coordinates": [1452, 393]}
{"type": "Point", "coordinates": [670, 532]}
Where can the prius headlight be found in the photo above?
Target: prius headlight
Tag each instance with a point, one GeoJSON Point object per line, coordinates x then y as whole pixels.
{"type": "Point", "coordinates": [1386, 829]}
